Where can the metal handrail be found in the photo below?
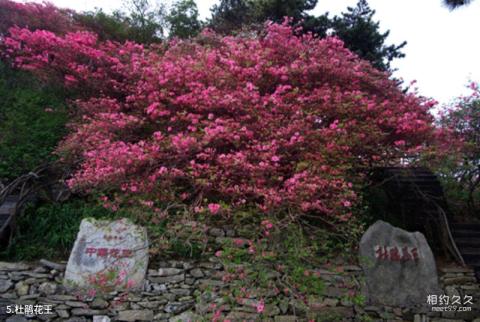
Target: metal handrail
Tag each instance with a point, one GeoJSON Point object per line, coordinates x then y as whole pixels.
{"type": "Point", "coordinates": [455, 251]}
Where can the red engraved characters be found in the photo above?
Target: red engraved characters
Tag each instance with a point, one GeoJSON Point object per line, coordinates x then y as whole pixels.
{"type": "Point", "coordinates": [396, 254]}
{"type": "Point", "coordinates": [109, 252]}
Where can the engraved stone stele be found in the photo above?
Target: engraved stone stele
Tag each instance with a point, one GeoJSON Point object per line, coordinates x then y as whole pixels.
{"type": "Point", "coordinates": [399, 266]}
{"type": "Point", "coordinates": [108, 255]}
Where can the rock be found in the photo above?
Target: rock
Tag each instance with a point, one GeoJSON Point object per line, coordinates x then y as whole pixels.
{"type": "Point", "coordinates": [16, 318]}
{"type": "Point", "coordinates": [161, 316]}
{"type": "Point", "coordinates": [159, 288]}
{"type": "Point", "coordinates": [242, 316]}
{"type": "Point", "coordinates": [48, 288]}
{"type": "Point", "coordinates": [458, 269]}
{"type": "Point", "coordinates": [334, 292]}
{"type": "Point", "coordinates": [169, 271]}
{"type": "Point", "coordinates": [297, 307]}
{"type": "Point", "coordinates": [76, 304]}
{"type": "Point", "coordinates": [399, 266]}
{"type": "Point", "coordinates": [114, 247]}
{"type": "Point", "coordinates": [63, 313]}
{"type": "Point", "coordinates": [168, 279]}
{"type": "Point", "coordinates": [206, 284]}
{"type": "Point", "coordinates": [86, 312]}
{"type": "Point", "coordinates": [459, 280]}
{"type": "Point", "coordinates": [135, 315]}
{"type": "Point", "coordinates": [271, 310]}
{"type": "Point", "coordinates": [152, 304]}
{"type": "Point", "coordinates": [178, 307]}
{"type": "Point", "coordinates": [180, 291]}
{"type": "Point", "coordinates": [21, 288]}
{"type": "Point", "coordinates": [337, 313]}
{"type": "Point", "coordinates": [77, 319]}
{"type": "Point", "coordinates": [216, 232]}
{"type": "Point", "coordinates": [197, 273]}
{"type": "Point", "coordinates": [5, 285]}
{"type": "Point", "coordinates": [230, 232]}
{"type": "Point", "coordinates": [14, 267]}
{"type": "Point", "coordinates": [283, 306]}
{"type": "Point", "coordinates": [99, 303]}
{"type": "Point", "coordinates": [330, 302]}
{"type": "Point", "coordinates": [101, 318]}
{"type": "Point", "coordinates": [52, 265]}
{"type": "Point", "coordinates": [63, 297]}
{"type": "Point", "coordinates": [286, 318]}
{"type": "Point", "coordinates": [188, 316]}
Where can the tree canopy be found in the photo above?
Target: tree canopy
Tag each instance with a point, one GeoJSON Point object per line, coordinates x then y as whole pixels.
{"type": "Point", "coordinates": [453, 4]}
{"type": "Point", "coordinates": [356, 27]}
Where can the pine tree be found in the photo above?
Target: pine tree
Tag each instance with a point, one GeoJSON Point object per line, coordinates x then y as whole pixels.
{"type": "Point", "coordinates": [453, 4]}
{"type": "Point", "coordinates": [362, 35]}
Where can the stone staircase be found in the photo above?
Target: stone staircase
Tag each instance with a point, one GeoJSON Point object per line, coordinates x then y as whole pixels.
{"type": "Point", "coordinates": [467, 239]}
{"type": "Point", "coordinates": [418, 194]}
{"type": "Point", "coordinates": [7, 218]}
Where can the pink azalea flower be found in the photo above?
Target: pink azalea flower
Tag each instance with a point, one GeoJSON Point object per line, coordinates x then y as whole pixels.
{"type": "Point", "coordinates": [260, 307]}
{"type": "Point", "coordinates": [214, 208]}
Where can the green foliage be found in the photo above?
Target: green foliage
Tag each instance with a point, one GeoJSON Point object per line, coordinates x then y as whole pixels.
{"type": "Point", "coordinates": [362, 36]}
{"type": "Point", "coordinates": [277, 10]}
{"type": "Point", "coordinates": [49, 230]}
{"type": "Point", "coordinates": [183, 19]}
{"type": "Point", "coordinates": [147, 24]}
{"type": "Point", "coordinates": [32, 121]}
{"type": "Point", "coordinates": [107, 26]}
{"type": "Point", "coordinates": [142, 23]}
{"type": "Point", "coordinates": [231, 15]}
{"type": "Point", "coordinates": [454, 4]}
{"type": "Point", "coordinates": [460, 169]}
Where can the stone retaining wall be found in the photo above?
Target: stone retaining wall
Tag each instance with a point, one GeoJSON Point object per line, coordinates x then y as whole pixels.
{"type": "Point", "coordinates": [194, 291]}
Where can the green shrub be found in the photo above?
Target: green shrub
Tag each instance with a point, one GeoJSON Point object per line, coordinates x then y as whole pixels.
{"type": "Point", "coordinates": [32, 121]}
{"type": "Point", "coordinates": [49, 230]}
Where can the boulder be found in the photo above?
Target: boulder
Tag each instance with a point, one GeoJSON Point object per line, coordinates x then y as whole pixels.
{"type": "Point", "coordinates": [117, 249]}
{"type": "Point", "coordinates": [399, 266]}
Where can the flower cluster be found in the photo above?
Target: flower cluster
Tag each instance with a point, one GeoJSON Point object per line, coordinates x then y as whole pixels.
{"type": "Point", "coordinates": [35, 16]}
{"type": "Point", "coordinates": [276, 122]}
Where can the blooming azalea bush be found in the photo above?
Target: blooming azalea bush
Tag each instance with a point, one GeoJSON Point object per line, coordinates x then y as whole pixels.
{"type": "Point", "coordinates": [277, 122]}
{"type": "Point", "coordinates": [44, 16]}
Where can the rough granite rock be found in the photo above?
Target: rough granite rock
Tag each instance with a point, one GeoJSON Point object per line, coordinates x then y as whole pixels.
{"type": "Point", "coordinates": [399, 266]}
{"type": "Point", "coordinates": [135, 315]}
{"type": "Point", "coordinates": [5, 285]}
{"type": "Point", "coordinates": [101, 318]}
{"type": "Point", "coordinates": [104, 247]}
{"type": "Point", "coordinates": [188, 316]}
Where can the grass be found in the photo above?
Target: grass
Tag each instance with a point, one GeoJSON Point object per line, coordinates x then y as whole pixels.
{"type": "Point", "coordinates": [49, 230]}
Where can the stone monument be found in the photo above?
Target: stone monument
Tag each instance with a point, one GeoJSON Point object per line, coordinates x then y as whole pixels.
{"type": "Point", "coordinates": [399, 266]}
{"type": "Point", "coordinates": [108, 255]}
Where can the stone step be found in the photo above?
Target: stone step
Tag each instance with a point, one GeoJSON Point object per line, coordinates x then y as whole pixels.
{"type": "Point", "coordinates": [12, 198]}
{"type": "Point", "coordinates": [466, 226]}
{"type": "Point", "coordinates": [468, 242]}
{"type": "Point", "coordinates": [463, 233]}
{"type": "Point", "coordinates": [470, 257]}
{"type": "Point", "coordinates": [7, 208]}
{"type": "Point", "coordinates": [474, 251]}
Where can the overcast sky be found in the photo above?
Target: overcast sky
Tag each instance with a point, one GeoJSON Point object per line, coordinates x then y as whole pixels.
{"type": "Point", "coordinates": [443, 48]}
